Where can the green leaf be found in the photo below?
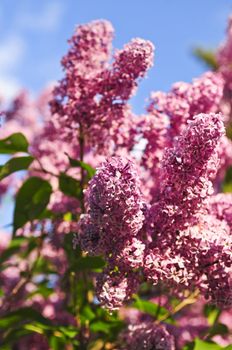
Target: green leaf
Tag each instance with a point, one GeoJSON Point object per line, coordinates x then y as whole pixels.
{"type": "Point", "coordinates": [44, 266]}
{"type": "Point", "coordinates": [67, 217]}
{"type": "Point", "coordinates": [72, 254]}
{"type": "Point", "coordinates": [68, 331]}
{"type": "Point", "coordinates": [105, 327]}
{"type": "Point", "coordinates": [32, 243]}
{"type": "Point", "coordinates": [100, 326]}
{"type": "Point", "coordinates": [42, 289]}
{"type": "Point", "coordinates": [21, 315]}
{"type": "Point", "coordinates": [149, 308]}
{"type": "Point", "coordinates": [78, 163]}
{"type": "Point", "coordinates": [204, 345]}
{"type": "Point", "coordinates": [206, 56]}
{"type": "Point", "coordinates": [70, 186]}
{"type": "Point", "coordinates": [58, 336]}
{"type": "Point", "coordinates": [11, 336]}
{"type": "Point", "coordinates": [47, 214]}
{"type": "Point", "coordinates": [188, 346]}
{"type": "Point", "coordinates": [14, 143]}
{"type": "Point", "coordinates": [15, 245]}
{"type": "Point", "coordinates": [229, 130]}
{"type": "Point", "coordinates": [34, 328]}
{"type": "Point", "coordinates": [57, 342]}
{"type": "Point", "coordinates": [31, 200]}
{"type": "Point", "coordinates": [62, 332]}
{"type": "Point", "coordinates": [87, 314]}
{"type": "Point", "coordinates": [89, 263]}
{"type": "Point", "coordinates": [96, 344]}
{"type": "Point", "coordinates": [15, 164]}
{"type": "Point", "coordinates": [227, 183]}
{"type": "Point", "coordinates": [6, 347]}
{"type": "Point", "coordinates": [218, 328]}
{"type": "Point", "coordinates": [212, 313]}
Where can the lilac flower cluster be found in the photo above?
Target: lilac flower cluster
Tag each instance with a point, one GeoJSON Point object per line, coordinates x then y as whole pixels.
{"type": "Point", "coordinates": [168, 115]}
{"type": "Point", "coordinates": [112, 225]}
{"type": "Point", "coordinates": [92, 98]}
{"type": "Point", "coordinates": [180, 218]}
{"type": "Point", "coordinates": [21, 115]}
{"type": "Point", "coordinates": [187, 171]}
{"type": "Point", "coordinates": [148, 336]}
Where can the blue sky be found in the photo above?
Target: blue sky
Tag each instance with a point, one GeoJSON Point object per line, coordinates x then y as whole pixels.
{"type": "Point", "coordinates": [33, 38]}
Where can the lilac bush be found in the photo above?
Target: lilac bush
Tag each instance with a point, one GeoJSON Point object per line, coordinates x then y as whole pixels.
{"type": "Point", "coordinates": [115, 246]}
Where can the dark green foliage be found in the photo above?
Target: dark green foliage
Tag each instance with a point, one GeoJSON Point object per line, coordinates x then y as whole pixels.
{"type": "Point", "coordinates": [31, 200]}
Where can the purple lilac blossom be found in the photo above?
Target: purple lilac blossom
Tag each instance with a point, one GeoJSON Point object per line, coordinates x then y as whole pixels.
{"type": "Point", "coordinates": [148, 336]}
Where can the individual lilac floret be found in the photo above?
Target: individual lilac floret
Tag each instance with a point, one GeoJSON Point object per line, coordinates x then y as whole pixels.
{"type": "Point", "coordinates": [187, 171]}
{"type": "Point", "coordinates": [169, 266]}
{"type": "Point", "coordinates": [115, 206]}
{"type": "Point", "coordinates": [147, 336]}
{"type": "Point", "coordinates": [114, 289]}
{"type": "Point", "coordinates": [132, 254]}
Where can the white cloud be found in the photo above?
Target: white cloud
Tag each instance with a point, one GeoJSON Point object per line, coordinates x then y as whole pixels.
{"type": "Point", "coordinates": [9, 87]}
{"type": "Point", "coordinates": [13, 48]}
{"type": "Point", "coordinates": [48, 19]}
{"type": "Point", "coordinates": [12, 51]}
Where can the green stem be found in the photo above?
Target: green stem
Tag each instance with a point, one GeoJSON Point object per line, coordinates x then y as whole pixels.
{"type": "Point", "coordinates": [82, 145]}
{"type": "Point", "coordinates": [44, 170]}
{"type": "Point", "coordinates": [159, 302]}
{"type": "Point", "coordinates": [83, 339]}
{"type": "Point", "coordinates": [191, 299]}
{"type": "Point", "coordinates": [208, 335]}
